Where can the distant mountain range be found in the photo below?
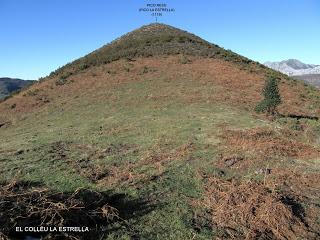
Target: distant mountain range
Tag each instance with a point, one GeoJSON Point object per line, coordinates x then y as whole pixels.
{"type": "Point", "coordinates": [313, 79]}
{"type": "Point", "coordinates": [294, 67]}
{"type": "Point", "coordinates": [310, 73]}
{"type": "Point", "coordinates": [9, 85]}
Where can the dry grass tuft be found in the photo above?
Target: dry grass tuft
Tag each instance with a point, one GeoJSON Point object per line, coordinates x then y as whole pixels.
{"type": "Point", "coordinates": [268, 143]}
{"type": "Point", "coordinates": [159, 155]}
{"type": "Point", "coordinates": [156, 159]}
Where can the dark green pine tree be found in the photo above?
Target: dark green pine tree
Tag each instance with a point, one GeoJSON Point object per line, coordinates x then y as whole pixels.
{"type": "Point", "coordinates": [271, 95]}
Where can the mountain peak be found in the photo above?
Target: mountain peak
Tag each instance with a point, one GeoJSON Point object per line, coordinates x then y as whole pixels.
{"type": "Point", "coordinates": [296, 64]}
{"type": "Point", "coordinates": [156, 27]}
{"type": "Point", "coordinates": [162, 32]}
{"type": "Point", "coordinates": [155, 39]}
{"type": "Point", "coordinates": [293, 67]}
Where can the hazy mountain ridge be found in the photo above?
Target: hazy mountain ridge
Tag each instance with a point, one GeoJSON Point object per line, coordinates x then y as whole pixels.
{"type": "Point", "coordinates": [313, 79]}
{"type": "Point", "coordinates": [294, 67]}
{"type": "Point", "coordinates": [9, 85]}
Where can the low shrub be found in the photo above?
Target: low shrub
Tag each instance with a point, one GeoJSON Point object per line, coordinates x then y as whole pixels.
{"type": "Point", "coordinates": [61, 81]}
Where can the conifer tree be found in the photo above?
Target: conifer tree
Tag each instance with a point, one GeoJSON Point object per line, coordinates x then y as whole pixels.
{"type": "Point", "coordinates": [271, 95]}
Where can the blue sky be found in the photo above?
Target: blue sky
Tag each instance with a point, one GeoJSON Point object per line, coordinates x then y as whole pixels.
{"type": "Point", "coordinates": [37, 36]}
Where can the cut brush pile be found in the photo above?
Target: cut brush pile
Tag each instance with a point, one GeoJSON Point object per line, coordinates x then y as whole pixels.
{"type": "Point", "coordinates": [26, 206]}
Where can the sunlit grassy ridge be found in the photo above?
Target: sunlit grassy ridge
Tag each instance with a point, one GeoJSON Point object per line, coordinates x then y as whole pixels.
{"type": "Point", "coordinates": [156, 40]}
{"type": "Point", "coordinates": [144, 143]}
{"type": "Point", "coordinates": [147, 127]}
{"type": "Point", "coordinates": [171, 133]}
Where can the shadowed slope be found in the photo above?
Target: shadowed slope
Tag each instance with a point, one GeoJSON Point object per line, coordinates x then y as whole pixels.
{"type": "Point", "coordinates": [10, 85]}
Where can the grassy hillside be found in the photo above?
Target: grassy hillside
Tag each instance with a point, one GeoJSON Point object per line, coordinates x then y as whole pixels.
{"type": "Point", "coordinates": [163, 147]}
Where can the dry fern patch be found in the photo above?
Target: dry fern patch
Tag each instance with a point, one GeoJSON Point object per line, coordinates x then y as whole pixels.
{"type": "Point", "coordinates": [250, 210]}
{"type": "Point", "coordinates": [269, 143]}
